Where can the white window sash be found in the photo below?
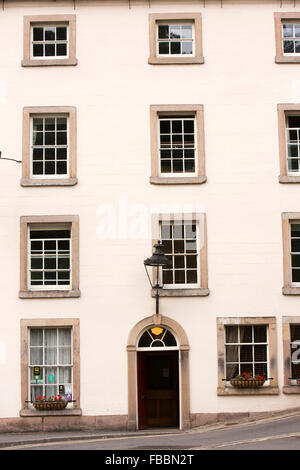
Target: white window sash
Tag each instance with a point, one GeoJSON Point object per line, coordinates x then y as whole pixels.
{"type": "Point", "coordinates": [197, 254]}
{"type": "Point", "coordinates": [60, 41]}
{"type": "Point", "coordinates": [179, 23]}
{"type": "Point", "coordinates": [44, 366]}
{"type": "Point", "coordinates": [67, 146]}
{"type": "Point", "coordinates": [41, 286]}
{"type": "Point", "coordinates": [253, 362]}
{"type": "Point", "coordinates": [183, 174]}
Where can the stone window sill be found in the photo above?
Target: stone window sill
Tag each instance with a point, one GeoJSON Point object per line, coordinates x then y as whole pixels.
{"type": "Point", "coordinates": [175, 60]}
{"type": "Point", "coordinates": [291, 389]}
{"type": "Point", "coordinates": [48, 182]}
{"type": "Point", "coordinates": [281, 59]}
{"type": "Point", "coordinates": [183, 180]}
{"type": "Point", "coordinates": [231, 391]}
{"type": "Point", "coordinates": [289, 179]}
{"type": "Point", "coordinates": [291, 290]}
{"type": "Point", "coordinates": [49, 62]}
{"type": "Point", "coordinates": [47, 294]}
{"type": "Point", "coordinates": [198, 292]}
{"type": "Point", "coordinates": [65, 412]}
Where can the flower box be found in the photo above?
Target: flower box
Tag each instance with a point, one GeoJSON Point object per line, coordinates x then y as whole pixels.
{"type": "Point", "coordinates": [50, 405]}
{"type": "Point", "coordinates": [53, 403]}
{"type": "Point", "coordinates": [247, 380]}
{"type": "Point", "coordinates": [249, 383]}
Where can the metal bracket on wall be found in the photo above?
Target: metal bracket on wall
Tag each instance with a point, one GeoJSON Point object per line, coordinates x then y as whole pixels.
{"type": "Point", "coordinates": [281, 3]}
{"type": "Point", "coordinates": [129, 3]}
{"type": "Point", "coordinates": [12, 159]}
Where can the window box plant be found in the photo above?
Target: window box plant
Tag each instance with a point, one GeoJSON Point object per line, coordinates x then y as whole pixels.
{"type": "Point", "coordinates": [51, 403]}
{"type": "Point", "coordinates": [247, 380]}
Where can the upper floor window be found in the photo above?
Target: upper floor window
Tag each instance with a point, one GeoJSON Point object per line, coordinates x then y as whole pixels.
{"type": "Point", "coordinates": [287, 37]}
{"type": "Point", "coordinates": [175, 38]}
{"type": "Point", "coordinates": [177, 144]}
{"type": "Point", "coordinates": [295, 252]}
{"type": "Point", "coordinates": [293, 144]}
{"type": "Point", "coordinates": [291, 253]}
{"type": "Point", "coordinates": [49, 146]}
{"type": "Point", "coordinates": [289, 142]}
{"type": "Point", "coordinates": [180, 241]}
{"type": "Point", "coordinates": [184, 241]}
{"type": "Point", "coordinates": [49, 40]}
{"type": "Point", "coordinates": [291, 37]}
{"type": "Point", "coordinates": [49, 256]}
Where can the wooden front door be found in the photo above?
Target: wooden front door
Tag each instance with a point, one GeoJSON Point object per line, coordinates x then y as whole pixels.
{"type": "Point", "coordinates": [158, 389]}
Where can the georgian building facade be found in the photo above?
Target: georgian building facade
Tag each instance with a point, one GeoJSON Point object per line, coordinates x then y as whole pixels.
{"type": "Point", "coordinates": [125, 123]}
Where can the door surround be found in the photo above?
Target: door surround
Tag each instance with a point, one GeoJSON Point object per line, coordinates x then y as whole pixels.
{"type": "Point", "coordinates": [184, 387]}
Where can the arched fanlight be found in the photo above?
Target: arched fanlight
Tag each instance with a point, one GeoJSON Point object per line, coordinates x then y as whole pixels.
{"type": "Point", "coordinates": [157, 337]}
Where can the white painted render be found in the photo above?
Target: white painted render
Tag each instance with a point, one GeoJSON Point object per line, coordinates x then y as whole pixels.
{"type": "Point", "coordinates": [112, 88]}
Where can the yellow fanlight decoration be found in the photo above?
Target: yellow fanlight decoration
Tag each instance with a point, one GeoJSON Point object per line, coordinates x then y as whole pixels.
{"type": "Point", "coordinates": [156, 330]}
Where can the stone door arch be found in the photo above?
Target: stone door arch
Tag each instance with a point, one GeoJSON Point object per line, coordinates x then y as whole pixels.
{"type": "Point", "coordinates": [183, 347]}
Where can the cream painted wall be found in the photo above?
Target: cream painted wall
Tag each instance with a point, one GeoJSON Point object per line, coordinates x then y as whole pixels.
{"type": "Point", "coordinates": [112, 87]}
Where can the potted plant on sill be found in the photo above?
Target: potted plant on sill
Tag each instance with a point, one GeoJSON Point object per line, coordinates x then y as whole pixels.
{"type": "Point", "coordinates": [51, 403]}
{"type": "Point", "coordinates": [247, 380]}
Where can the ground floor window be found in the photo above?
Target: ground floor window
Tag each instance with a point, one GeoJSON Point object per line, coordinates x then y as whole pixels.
{"type": "Point", "coordinates": [247, 345]}
{"type": "Point", "coordinates": [291, 354]}
{"type": "Point", "coordinates": [246, 350]}
{"type": "Point", "coordinates": [50, 351]}
{"type": "Point", "coordinates": [50, 361]}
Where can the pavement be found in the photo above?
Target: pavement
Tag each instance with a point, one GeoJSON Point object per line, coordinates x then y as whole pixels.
{"type": "Point", "coordinates": [16, 439]}
{"type": "Point", "coordinates": [13, 439]}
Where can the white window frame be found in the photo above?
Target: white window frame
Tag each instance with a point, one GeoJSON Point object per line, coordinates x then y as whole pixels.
{"type": "Point", "coordinates": [287, 129]}
{"type": "Point", "coordinates": [197, 254]}
{"type": "Point", "coordinates": [49, 227]}
{"type": "Point", "coordinates": [45, 116]}
{"type": "Point", "coordinates": [169, 117]}
{"type": "Point", "coordinates": [48, 25]}
{"type": "Point", "coordinates": [294, 39]}
{"type": "Point", "coordinates": [297, 222]}
{"type": "Point", "coordinates": [30, 366]}
{"type": "Point", "coordinates": [267, 382]}
{"type": "Point", "coordinates": [175, 23]}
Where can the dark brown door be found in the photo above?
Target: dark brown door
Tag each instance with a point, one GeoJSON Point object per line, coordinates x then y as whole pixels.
{"type": "Point", "coordinates": [141, 370]}
{"type": "Point", "coordinates": [158, 389]}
